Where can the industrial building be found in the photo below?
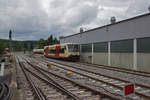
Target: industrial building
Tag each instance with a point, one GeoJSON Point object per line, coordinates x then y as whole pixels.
{"type": "Point", "coordinates": [124, 44]}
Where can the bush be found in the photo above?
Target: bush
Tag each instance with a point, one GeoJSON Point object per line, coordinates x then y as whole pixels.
{"type": "Point", "coordinates": [2, 49]}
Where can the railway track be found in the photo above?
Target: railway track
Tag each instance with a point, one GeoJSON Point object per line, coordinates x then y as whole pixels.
{"type": "Point", "coordinates": [5, 92]}
{"type": "Point", "coordinates": [34, 89]}
{"type": "Point", "coordinates": [26, 89]}
{"type": "Point", "coordinates": [87, 79]}
{"type": "Point", "coordinates": [117, 69]}
{"type": "Point", "coordinates": [139, 76]}
{"type": "Point", "coordinates": [42, 88]}
{"type": "Point", "coordinates": [142, 91]}
{"type": "Point", "coordinates": [83, 92]}
{"type": "Point", "coordinates": [123, 70]}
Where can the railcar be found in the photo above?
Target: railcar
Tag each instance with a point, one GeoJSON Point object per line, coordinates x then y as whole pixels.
{"type": "Point", "coordinates": [6, 50]}
{"type": "Point", "coordinates": [67, 51]}
{"type": "Point", "coordinates": [38, 51]}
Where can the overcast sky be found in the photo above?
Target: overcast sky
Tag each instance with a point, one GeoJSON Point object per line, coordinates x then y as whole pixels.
{"type": "Point", "coordinates": [35, 19]}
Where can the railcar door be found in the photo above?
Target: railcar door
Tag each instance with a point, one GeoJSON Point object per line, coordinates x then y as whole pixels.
{"type": "Point", "coordinates": [57, 51]}
{"type": "Point", "coordinates": [46, 51]}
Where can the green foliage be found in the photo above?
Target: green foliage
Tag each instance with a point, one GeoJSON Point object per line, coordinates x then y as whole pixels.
{"type": "Point", "coordinates": [49, 41]}
{"type": "Point", "coordinates": [26, 45]}
{"type": "Point", "coordinates": [19, 45]}
{"type": "Point", "coordinates": [2, 49]}
{"type": "Point", "coordinates": [41, 43]}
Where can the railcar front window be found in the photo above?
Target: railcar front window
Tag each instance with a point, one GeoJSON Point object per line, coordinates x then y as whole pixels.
{"type": "Point", "coordinates": [76, 48]}
{"type": "Point", "coordinates": [73, 48]}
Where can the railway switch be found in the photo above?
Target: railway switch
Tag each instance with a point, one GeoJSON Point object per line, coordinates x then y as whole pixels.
{"type": "Point", "coordinates": [70, 73]}
{"type": "Point", "coordinates": [56, 68]}
{"type": "Point", "coordinates": [49, 65]}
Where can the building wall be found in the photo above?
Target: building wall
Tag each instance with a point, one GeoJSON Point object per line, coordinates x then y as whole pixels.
{"type": "Point", "coordinates": [100, 58]}
{"type": "Point", "coordinates": [122, 60]}
{"type": "Point", "coordinates": [86, 57]}
{"type": "Point", "coordinates": [143, 54]}
{"type": "Point", "coordinates": [121, 54]}
{"type": "Point", "coordinates": [86, 53]}
{"type": "Point", "coordinates": [143, 62]}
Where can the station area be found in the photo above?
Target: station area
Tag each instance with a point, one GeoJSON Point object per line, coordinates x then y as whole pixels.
{"type": "Point", "coordinates": [33, 76]}
{"type": "Point", "coordinates": [106, 63]}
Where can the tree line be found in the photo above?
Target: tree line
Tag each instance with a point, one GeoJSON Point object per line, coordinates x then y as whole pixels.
{"type": "Point", "coordinates": [2, 48]}
{"type": "Point", "coordinates": [16, 45]}
{"type": "Point", "coordinates": [50, 41]}
{"type": "Point", "coordinates": [26, 45]}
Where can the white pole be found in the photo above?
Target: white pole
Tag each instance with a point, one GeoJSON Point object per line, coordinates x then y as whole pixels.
{"type": "Point", "coordinates": [135, 54]}
{"type": "Point", "coordinates": [2, 69]}
{"type": "Point", "coordinates": [92, 52]}
{"type": "Point", "coordinates": [109, 55]}
{"type": "Point", "coordinates": [80, 51]}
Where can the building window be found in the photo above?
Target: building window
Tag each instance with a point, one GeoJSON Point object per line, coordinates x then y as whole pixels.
{"type": "Point", "coordinates": [101, 47]}
{"type": "Point", "coordinates": [122, 46]}
{"type": "Point", "coordinates": [143, 45]}
{"type": "Point", "coordinates": [86, 48]}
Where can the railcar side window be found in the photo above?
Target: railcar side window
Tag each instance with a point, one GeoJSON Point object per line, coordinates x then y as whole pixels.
{"type": "Point", "coordinates": [62, 50]}
{"type": "Point", "coordinates": [44, 50]}
{"type": "Point", "coordinates": [52, 51]}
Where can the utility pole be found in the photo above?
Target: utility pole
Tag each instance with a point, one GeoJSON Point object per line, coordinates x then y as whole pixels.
{"type": "Point", "coordinates": [10, 38]}
{"type": "Point", "coordinates": [10, 35]}
{"type": "Point", "coordinates": [10, 44]}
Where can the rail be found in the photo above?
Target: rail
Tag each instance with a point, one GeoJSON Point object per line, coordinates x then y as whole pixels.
{"type": "Point", "coordinates": [114, 97]}
{"type": "Point", "coordinates": [5, 92]}
{"type": "Point", "coordinates": [37, 92]}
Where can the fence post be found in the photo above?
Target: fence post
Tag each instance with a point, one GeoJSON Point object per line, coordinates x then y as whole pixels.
{"type": "Point", "coordinates": [135, 54]}
{"type": "Point", "coordinates": [109, 55]}
{"type": "Point", "coordinates": [92, 52]}
{"type": "Point", "coordinates": [80, 52]}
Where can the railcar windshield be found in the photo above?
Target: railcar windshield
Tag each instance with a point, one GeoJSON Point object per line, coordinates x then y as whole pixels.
{"type": "Point", "coordinates": [73, 47]}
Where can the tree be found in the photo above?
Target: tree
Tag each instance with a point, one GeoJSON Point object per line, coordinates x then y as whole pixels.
{"type": "Point", "coordinates": [31, 46]}
{"type": "Point", "coordinates": [2, 49]}
{"type": "Point", "coordinates": [41, 43]}
{"type": "Point", "coordinates": [50, 40]}
{"type": "Point", "coordinates": [25, 45]}
{"type": "Point", "coordinates": [56, 41]}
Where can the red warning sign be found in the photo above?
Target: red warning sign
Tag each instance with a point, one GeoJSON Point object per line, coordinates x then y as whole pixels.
{"type": "Point", "coordinates": [129, 89]}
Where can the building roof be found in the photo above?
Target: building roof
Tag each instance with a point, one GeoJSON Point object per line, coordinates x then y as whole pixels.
{"type": "Point", "coordinates": [59, 44]}
{"type": "Point", "coordinates": [129, 19]}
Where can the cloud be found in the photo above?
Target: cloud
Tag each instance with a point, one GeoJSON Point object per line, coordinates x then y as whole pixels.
{"type": "Point", "coordinates": [137, 7]}
{"type": "Point", "coordinates": [35, 19]}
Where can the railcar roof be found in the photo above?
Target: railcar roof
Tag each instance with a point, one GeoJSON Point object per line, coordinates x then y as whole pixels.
{"type": "Point", "coordinates": [59, 44]}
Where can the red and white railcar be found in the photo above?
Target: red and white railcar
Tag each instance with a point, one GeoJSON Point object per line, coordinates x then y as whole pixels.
{"type": "Point", "coordinates": [68, 51]}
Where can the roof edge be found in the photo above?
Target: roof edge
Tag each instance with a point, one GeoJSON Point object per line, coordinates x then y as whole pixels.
{"type": "Point", "coordinates": [62, 37]}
